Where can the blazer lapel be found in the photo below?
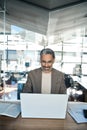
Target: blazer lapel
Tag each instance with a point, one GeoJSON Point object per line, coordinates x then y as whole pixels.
{"type": "Point", "coordinates": [39, 76]}
{"type": "Point", "coordinates": [53, 81]}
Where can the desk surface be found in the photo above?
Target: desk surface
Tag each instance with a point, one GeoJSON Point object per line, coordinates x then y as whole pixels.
{"type": "Point", "coordinates": [7, 123]}
{"type": "Point", "coordinates": [82, 81]}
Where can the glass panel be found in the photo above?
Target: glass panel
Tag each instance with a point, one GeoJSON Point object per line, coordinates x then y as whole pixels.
{"type": "Point", "coordinates": [20, 49]}
{"type": "Point", "coordinates": [84, 69]}
{"type": "Point", "coordinates": [2, 29]}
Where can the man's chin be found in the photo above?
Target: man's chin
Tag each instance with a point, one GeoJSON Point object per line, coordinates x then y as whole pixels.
{"type": "Point", "coordinates": [46, 70]}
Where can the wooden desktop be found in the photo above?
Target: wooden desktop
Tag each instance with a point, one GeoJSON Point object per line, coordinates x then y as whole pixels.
{"type": "Point", "coordinates": [8, 123]}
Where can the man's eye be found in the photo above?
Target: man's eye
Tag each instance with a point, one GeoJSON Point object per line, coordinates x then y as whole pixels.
{"type": "Point", "coordinates": [50, 62]}
{"type": "Point", "coordinates": [46, 62]}
{"type": "Point", "coordinates": [43, 62]}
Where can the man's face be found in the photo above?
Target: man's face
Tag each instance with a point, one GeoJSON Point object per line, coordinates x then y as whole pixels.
{"type": "Point", "coordinates": [47, 62]}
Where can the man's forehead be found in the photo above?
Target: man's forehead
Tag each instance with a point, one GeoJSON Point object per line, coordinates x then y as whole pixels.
{"type": "Point", "coordinates": [46, 56]}
{"type": "Point", "coordinates": [47, 59]}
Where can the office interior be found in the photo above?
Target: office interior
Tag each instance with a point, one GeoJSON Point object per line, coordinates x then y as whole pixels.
{"type": "Point", "coordinates": [27, 26]}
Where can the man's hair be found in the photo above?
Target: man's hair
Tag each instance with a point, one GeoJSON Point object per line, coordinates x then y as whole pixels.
{"type": "Point", "coordinates": [47, 51]}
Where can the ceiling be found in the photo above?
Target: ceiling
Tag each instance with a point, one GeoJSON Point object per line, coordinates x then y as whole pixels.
{"type": "Point", "coordinates": [48, 17]}
{"type": "Point", "coordinates": [52, 4]}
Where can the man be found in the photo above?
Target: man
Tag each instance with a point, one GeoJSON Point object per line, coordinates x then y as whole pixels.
{"type": "Point", "coordinates": [12, 80]}
{"type": "Point", "coordinates": [45, 79]}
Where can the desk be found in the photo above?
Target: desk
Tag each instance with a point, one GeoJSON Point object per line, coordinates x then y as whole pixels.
{"type": "Point", "coordinates": [7, 123]}
{"type": "Point", "coordinates": [82, 81]}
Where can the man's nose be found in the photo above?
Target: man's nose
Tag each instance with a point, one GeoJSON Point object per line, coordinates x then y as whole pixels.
{"type": "Point", "coordinates": [46, 63]}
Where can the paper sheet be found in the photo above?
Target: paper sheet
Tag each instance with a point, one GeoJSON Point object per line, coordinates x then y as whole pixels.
{"type": "Point", "coordinates": [75, 109]}
{"type": "Point", "coordinates": [11, 109]}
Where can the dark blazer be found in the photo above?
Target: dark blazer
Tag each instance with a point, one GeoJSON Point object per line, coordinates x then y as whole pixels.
{"type": "Point", "coordinates": [33, 83]}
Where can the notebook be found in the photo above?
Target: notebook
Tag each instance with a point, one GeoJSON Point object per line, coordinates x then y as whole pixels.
{"type": "Point", "coordinates": [43, 105]}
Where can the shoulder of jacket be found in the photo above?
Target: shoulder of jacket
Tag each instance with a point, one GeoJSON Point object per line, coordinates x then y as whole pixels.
{"type": "Point", "coordinates": [58, 71]}
{"type": "Point", "coordinates": [35, 70]}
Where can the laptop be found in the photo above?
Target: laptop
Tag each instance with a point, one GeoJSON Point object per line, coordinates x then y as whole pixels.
{"type": "Point", "coordinates": [43, 105]}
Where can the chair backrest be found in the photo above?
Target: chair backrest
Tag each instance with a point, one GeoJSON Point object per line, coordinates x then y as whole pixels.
{"type": "Point", "coordinates": [68, 81]}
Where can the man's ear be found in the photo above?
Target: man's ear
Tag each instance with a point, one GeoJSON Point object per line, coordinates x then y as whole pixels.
{"type": "Point", "coordinates": [53, 60]}
{"type": "Point", "coordinates": [40, 60]}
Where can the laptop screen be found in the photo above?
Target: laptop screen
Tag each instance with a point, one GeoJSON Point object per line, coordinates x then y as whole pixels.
{"type": "Point", "coordinates": [43, 105]}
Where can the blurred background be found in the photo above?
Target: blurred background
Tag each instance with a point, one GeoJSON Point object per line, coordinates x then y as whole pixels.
{"type": "Point", "coordinates": [27, 26]}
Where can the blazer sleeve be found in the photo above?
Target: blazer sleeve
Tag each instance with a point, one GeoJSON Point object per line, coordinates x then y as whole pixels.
{"type": "Point", "coordinates": [63, 88]}
{"type": "Point", "coordinates": [28, 88]}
